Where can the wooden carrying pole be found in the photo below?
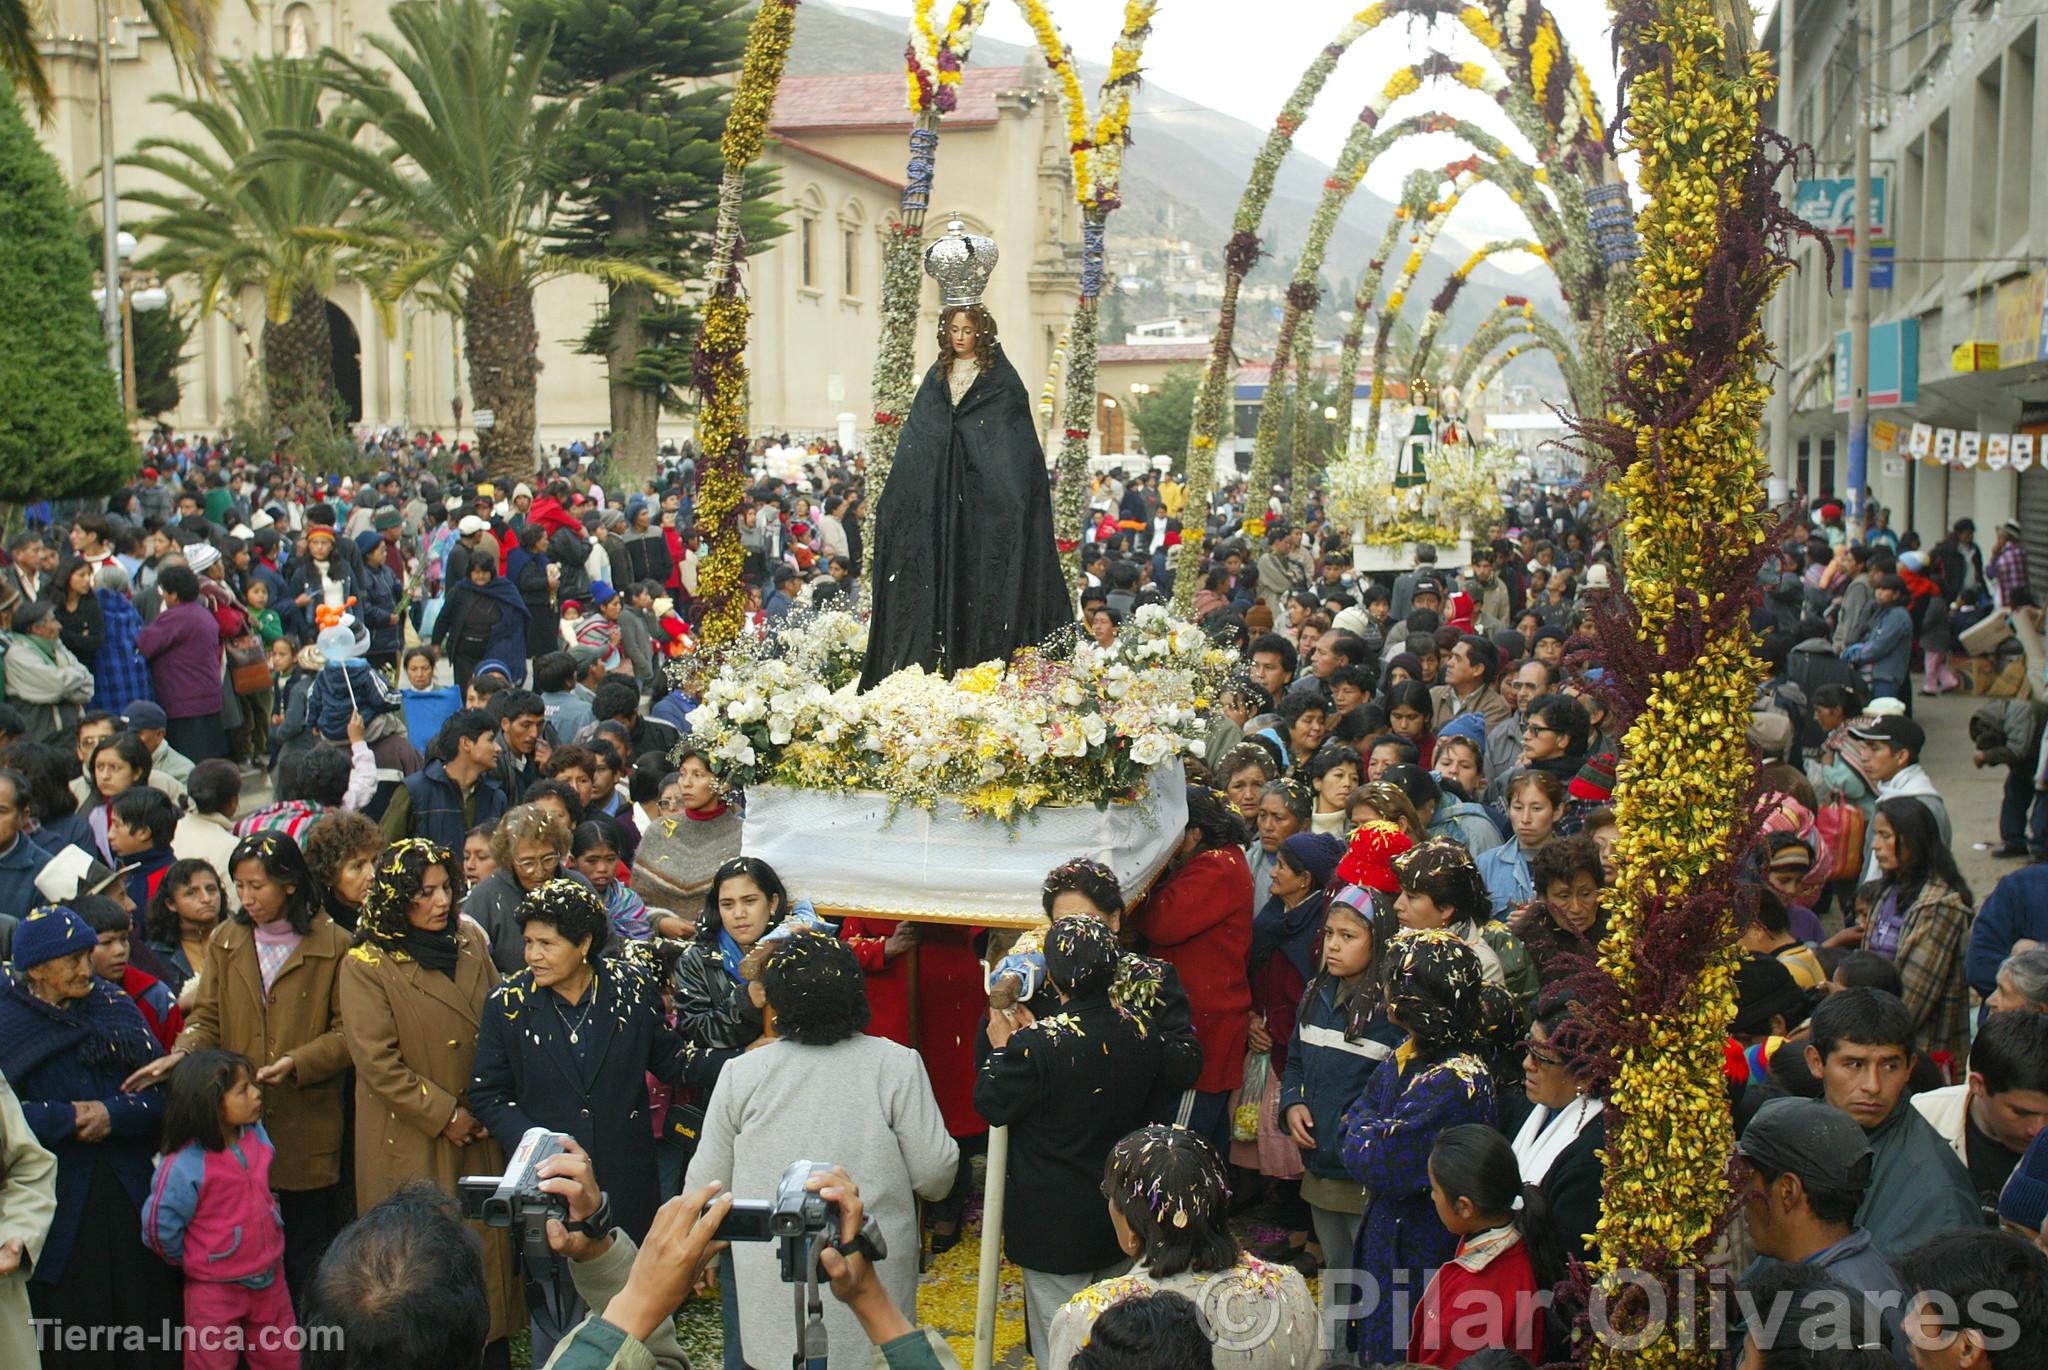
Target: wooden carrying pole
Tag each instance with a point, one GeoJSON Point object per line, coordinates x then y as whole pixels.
{"type": "Point", "coordinates": [991, 1248]}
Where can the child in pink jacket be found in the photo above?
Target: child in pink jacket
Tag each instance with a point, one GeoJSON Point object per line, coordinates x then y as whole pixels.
{"type": "Point", "coordinates": [210, 1213]}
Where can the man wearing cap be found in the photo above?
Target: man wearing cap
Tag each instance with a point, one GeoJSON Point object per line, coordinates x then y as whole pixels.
{"type": "Point", "coordinates": [1404, 584]}
{"type": "Point", "coordinates": [148, 722]}
{"type": "Point", "coordinates": [2009, 565]}
{"type": "Point", "coordinates": [1891, 759]}
{"type": "Point", "coordinates": [1991, 1119]}
{"type": "Point", "coordinates": [1885, 650]}
{"type": "Point", "coordinates": [1427, 593]}
{"type": "Point", "coordinates": [389, 525]}
{"type": "Point", "coordinates": [1811, 1167]}
{"type": "Point", "coordinates": [784, 584]}
{"type": "Point", "coordinates": [473, 541]}
{"type": "Point", "coordinates": [1862, 1053]}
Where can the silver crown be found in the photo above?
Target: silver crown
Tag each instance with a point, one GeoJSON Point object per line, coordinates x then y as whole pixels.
{"type": "Point", "coordinates": [961, 262]}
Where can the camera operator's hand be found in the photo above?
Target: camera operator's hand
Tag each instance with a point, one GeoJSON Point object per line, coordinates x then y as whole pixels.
{"type": "Point", "coordinates": [853, 1277]}
{"type": "Point", "coordinates": [665, 1272]}
{"type": "Point", "coordinates": [569, 1176]}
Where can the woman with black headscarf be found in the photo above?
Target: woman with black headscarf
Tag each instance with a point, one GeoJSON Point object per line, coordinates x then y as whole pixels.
{"type": "Point", "coordinates": [1433, 1081]}
{"type": "Point", "coordinates": [412, 997]}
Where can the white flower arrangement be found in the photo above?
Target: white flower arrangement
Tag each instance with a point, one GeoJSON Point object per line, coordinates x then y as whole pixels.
{"type": "Point", "coordinates": [1082, 725]}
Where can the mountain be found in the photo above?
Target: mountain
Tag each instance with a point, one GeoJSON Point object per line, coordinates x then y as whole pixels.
{"type": "Point", "coordinates": [1184, 174]}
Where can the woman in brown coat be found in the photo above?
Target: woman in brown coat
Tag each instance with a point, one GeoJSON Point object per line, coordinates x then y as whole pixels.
{"type": "Point", "coordinates": [412, 994]}
{"type": "Point", "coordinates": [267, 990]}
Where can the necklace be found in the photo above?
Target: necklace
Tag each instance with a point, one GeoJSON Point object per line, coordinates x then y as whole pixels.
{"type": "Point", "coordinates": [582, 1019]}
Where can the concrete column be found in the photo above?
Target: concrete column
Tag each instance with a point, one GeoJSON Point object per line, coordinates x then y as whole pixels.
{"type": "Point", "coordinates": [1997, 499]}
{"type": "Point", "coordinates": [1930, 506]}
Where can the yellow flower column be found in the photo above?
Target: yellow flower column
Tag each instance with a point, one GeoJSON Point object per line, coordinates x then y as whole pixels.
{"type": "Point", "coordinates": [1681, 435]}
{"type": "Point", "coordinates": [720, 364]}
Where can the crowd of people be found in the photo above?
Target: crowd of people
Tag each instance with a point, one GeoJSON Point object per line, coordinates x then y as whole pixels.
{"type": "Point", "coordinates": [348, 832]}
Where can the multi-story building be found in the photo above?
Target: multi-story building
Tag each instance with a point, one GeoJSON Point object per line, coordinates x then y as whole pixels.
{"type": "Point", "coordinates": [1959, 123]}
{"type": "Point", "coordinates": [838, 142]}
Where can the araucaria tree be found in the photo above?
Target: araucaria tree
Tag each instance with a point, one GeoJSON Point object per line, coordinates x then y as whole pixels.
{"type": "Point", "coordinates": [475, 188]}
{"type": "Point", "coordinates": [637, 167]}
{"type": "Point", "coordinates": [61, 434]}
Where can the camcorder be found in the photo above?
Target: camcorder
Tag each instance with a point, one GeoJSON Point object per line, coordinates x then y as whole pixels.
{"type": "Point", "coordinates": [516, 1200]}
{"type": "Point", "coordinates": [796, 1217]}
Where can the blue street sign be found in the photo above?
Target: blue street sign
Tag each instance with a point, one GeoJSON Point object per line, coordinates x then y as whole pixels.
{"type": "Point", "coordinates": [1894, 365]}
{"type": "Point", "coordinates": [1882, 263]}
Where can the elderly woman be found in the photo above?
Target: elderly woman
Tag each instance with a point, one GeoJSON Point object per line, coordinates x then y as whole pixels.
{"type": "Point", "coordinates": [67, 1040]}
{"type": "Point", "coordinates": [1285, 808]}
{"type": "Point", "coordinates": [528, 846]}
{"type": "Point", "coordinates": [43, 679]}
{"type": "Point", "coordinates": [267, 990]}
{"type": "Point", "coordinates": [1562, 927]}
{"type": "Point", "coordinates": [122, 674]}
{"type": "Point", "coordinates": [342, 851]}
{"type": "Point", "coordinates": [822, 1075]}
{"type": "Point", "coordinates": [1435, 1080]}
{"type": "Point", "coordinates": [1169, 1201]}
{"type": "Point", "coordinates": [567, 1044]}
{"type": "Point", "coordinates": [1558, 1145]}
{"type": "Point", "coordinates": [412, 996]}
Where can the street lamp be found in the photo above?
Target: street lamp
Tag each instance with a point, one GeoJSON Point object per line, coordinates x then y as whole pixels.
{"type": "Point", "coordinates": [138, 290]}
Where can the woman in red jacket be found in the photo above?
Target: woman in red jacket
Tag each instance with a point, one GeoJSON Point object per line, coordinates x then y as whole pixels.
{"type": "Point", "coordinates": [1198, 919]}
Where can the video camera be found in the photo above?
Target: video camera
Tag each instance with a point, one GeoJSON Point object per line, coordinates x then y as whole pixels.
{"type": "Point", "coordinates": [515, 1198]}
{"type": "Point", "coordinates": [797, 1218]}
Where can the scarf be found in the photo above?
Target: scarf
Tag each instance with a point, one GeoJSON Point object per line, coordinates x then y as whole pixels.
{"type": "Point", "coordinates": [105, 1029]}
{"type": "Point", "coordinates": [800, 915]}
{"type": "Point", "coordinates": [1548, 1132]}
{"type": "Point", "coordinates": [436, 951]}
{"type": "Point", "coordinates": [1289, 931]}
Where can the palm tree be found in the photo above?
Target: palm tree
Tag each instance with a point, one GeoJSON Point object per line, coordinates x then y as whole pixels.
{"type": "Point", "coordinates": [236, 220]}
{"type": "Point", "coordinates": [187, 25]}
{"type": "Point", "coordinates": [473, 184]}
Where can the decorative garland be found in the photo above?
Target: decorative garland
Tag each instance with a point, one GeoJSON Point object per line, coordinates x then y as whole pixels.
{"type": "Point", "coordinates": [1098, 159]}
{"type": "Point", "coordinates": [933, 64]}
{"type": "Point", "coordinates": [719, 369]}
{"type": "Point", "coordinates": [1520, 319]}
{"type": "Point", "coordinates": [1048, 394]}
{"type": "Point", "coordinates": [1433, 321]}
{"type": "Point", "coordinates": [1212, 401]}
{"type": "Point", "coordinates": [1681, 441]}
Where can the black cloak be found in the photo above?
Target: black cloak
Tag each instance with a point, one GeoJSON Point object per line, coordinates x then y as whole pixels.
{"type": "Point", "coordinates": [966, 569]}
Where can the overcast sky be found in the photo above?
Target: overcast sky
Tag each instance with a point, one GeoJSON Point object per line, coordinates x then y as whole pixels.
{"type": "Point", "coordinates": [1244, 59]}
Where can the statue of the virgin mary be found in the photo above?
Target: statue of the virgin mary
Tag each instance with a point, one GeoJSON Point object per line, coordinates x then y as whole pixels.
{"type": "Point", "coordinates": [966, 569]}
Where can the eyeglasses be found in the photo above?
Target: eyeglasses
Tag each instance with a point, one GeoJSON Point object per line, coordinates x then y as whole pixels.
{"type": "Point", "coordinates": [1542, 728]}
{"type": "Point", "coordinates": [1539, 1053]}
{"type": "Point", "coordinates": [534, 864]}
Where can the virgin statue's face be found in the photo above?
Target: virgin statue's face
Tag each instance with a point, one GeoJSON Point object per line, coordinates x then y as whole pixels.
{"type": "Point", "coordinates": [960, 333]}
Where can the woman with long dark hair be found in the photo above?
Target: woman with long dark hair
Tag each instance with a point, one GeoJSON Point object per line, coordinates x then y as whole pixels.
{"type": "Point", "coordinates": [267, 989]}
{"type": "Point", "coordinates": [1198, 919]}
{"type": "Point", "coordinates": [714, 1012]}
{"type": "Point", "coordinates": [1409, 710]}
{"type": "Point", "coordinates": [1169, 1202]}
{"type": "Point", "coordinates": [80, 621]}
{"type": "Point", "coordinates": [1921, 909]}
{"type": "Point", "coordinates": [1433, 1082]}
{"type": "Point", "coordinates": [183, 913]}
{"type": "Point", "coordinates": [1508, 1252]}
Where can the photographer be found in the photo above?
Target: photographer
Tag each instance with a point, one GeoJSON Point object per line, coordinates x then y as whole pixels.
{"type": "Point", "coordinates": [641, 1288]}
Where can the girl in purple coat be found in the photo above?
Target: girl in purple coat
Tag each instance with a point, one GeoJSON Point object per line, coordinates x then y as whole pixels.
{"type": "Point", "coordinates": [211, 1213]}
{"type": "Point", "coordinates": [1433, 1081]}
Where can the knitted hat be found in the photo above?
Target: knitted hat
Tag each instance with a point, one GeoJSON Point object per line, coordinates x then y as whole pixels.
{"type": "Point", "coordinates": [366, 539]}
{"type": "Point", "coordinates": [1316, 853]}
{"type": "Point", "coordinates": [1370, 861]}
{"type": "Point", "coordinates": [320, 530]}
{"type": "Point", "coordinates": [601, 592]}
{"type": "Point", "coordinates": [48, 933]}
{"type": "Point", "coordinates": [1467, 725]}
{"type": "Point", "coordinates": [2023, 1202]}
{"type": "Point", "coordinates": [1595, 780]}
{"type": "Point", "coordinates": [390, 518]}
{"type": "Point", "coordinates": [201, 556]}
